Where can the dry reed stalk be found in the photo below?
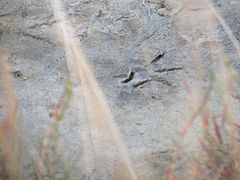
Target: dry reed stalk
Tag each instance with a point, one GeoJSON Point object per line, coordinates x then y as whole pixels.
{"type": "Point", "coordinates": [209, 21]}
{"type": "Point", "coordinates": [223, 78]}
{"type": "Point", "coordinates": [100, 116]}
{"type": "Point", "coordinates": [50, 142]}
{"type": "Point", "coordinates": [189, 20]}
{"type": "Point", "coordinates": [9, 136]}
{"type": "Point", "coordinates": [227, 29]}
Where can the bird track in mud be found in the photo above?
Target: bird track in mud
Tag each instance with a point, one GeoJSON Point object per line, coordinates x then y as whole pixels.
{"type": "Point", "coordinates": [152, 78]}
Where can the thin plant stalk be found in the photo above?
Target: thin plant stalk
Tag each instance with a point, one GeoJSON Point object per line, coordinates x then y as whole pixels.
{"type": "Point", "coordinates": [9, 136]}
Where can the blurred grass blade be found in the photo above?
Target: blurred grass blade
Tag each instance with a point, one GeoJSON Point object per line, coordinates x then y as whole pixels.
{"type": "Point", "coordinates": [9, 129]}
{"type": "Point", "coordinates": [100, 115]}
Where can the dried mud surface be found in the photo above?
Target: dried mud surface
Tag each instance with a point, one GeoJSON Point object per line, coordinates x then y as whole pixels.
{"type": "Point", "coordinates": [138, 52]}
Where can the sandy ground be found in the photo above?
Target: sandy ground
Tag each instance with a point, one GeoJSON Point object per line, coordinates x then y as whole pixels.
{"type": "Point", "coordinates": [163, 40]}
